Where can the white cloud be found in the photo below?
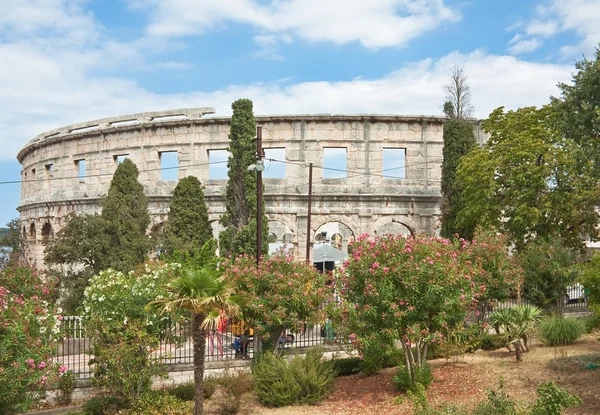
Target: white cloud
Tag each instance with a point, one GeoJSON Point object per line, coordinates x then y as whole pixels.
{"type": "Point", "coordinates": [46, 93]}
{"type": "Point", "coordinates": [557, 16]}
{"type": "Point", "coordinates": [374, 24]}
{"type": "Point", "coordinates": [57, 76]}
{"type": "Point", "coordinates": [538, 28]}
{"type": "Point", "coordinates": [524, 46]}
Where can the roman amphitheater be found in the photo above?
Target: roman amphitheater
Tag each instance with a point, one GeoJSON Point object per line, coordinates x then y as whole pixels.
{"type": "Point", "coordinates": [372, 173]}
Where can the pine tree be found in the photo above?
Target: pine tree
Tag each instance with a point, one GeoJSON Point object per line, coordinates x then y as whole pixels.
{"type": "Point", "coordinates": [239, 236]}
{"type": "Point", "coordinates": [459, 139]}
{"type": "Point", "coordinates": [125, 212]}
{"type": "Point", "coordinates": [188, 227]}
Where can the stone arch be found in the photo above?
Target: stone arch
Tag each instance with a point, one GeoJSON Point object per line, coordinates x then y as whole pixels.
{"type": "Point", "coordinates": [280, 236]}
{"type": "Point", "coordinates": [403, 221]}
{"type": "Point", "coordinates": [320, 220]}
{"type": "Point", "coordinates": [287, 220]}
{"type": "Point", "coordinates": [47, 231]}
{"type": "Point", "coordinates": [32, 235]}
{"type": "Point", "coordinates": [338, 234]}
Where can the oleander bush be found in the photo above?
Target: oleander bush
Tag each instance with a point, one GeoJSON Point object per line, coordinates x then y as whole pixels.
{"type": "Point", "coordinates": [29, 327]}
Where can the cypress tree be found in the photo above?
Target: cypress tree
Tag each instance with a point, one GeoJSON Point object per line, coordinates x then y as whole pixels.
{"type": "Point", "coordinates": [239, 235]}
{"type": "Point", "coordinates": [459, 139]}
{"type": "Point", "coordinates": [125, 213]}
{"type": "Point", "coordinates": [188, 227]}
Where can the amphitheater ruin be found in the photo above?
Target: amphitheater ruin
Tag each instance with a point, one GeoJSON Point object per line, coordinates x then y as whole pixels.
{"type": "Point", "coordinates": [372, 174]}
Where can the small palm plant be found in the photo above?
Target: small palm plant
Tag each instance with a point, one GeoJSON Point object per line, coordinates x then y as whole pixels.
{"type": "Point", "coordinates": [207, 297]}
{"type": "Point", "coordinates": [516, 323]}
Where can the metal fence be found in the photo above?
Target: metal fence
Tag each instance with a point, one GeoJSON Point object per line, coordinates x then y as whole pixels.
{"type": "Point", "coordinates": [575, 299]}
{"type": "Point", "coordinates": [225, 344]}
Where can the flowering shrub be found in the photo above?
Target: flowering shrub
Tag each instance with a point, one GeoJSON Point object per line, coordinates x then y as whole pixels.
{"type": "Point", "coordinates": [282, 293]}
{"type": "Point", "coordinates": [413, 289]}
{"type": "Point", "coordinates": [29, 326]}
{"type": "Point", "coordinates": [124, 331]}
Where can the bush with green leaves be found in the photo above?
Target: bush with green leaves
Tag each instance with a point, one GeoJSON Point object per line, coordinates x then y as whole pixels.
{"type": "Point", "coordinates": [103, 405]}
{"type": "Point", "coordinates": [405, 382]}
{"type": "Point", "coordinates": [559, 331]}
{"type": "Point", "coordinates": [346, 366]}
{"type": "Point", "coordinates": [498, 403]}
{"type": "Point", "coordinates": [553, 399]}
{"type": "Point", "coordinates": [124, 332]}
{"type": "Point", "coordinates": [29, 327]}
{"type": "Point", "coordinates": [302, 380]}
{"type": "Point", "coordinates": [234, 385]}
{"type": "Point", "coordinates": [184, 391]}
{"type": "Point", "coordinates": [159, 403]}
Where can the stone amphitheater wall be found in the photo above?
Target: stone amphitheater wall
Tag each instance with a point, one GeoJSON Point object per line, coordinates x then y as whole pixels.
{"type": "Point", "coordinates": [365, 201]}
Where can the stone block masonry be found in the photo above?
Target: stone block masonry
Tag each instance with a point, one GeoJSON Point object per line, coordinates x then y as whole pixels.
{"type": "Point", "coordinates": [68, 170]}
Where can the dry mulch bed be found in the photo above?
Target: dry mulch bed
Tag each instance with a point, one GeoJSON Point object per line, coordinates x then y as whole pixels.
{"type": "Point", "coordinates": [465, 381]}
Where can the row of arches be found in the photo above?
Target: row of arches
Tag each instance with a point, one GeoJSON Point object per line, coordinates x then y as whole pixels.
{"type": "Point", "coordinates": [31, 234]}
{"type": "Point", "coordinates": [336, 233]}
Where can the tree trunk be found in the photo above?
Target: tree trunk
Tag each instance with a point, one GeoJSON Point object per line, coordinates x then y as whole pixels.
{"type": "Point", "coordinates": [518, 350]}
{"type": "Point", "coordinates": [199, 336]}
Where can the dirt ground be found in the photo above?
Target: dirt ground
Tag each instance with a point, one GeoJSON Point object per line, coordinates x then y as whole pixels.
{"type": "Point", "coordinates": [465, 381]}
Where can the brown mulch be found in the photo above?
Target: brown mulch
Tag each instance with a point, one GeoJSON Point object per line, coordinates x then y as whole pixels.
{"type": "Point", "coordinates": [465, 382]}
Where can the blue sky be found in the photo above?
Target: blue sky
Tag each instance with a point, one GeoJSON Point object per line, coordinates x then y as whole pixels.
{"type": "Point", "coordinates": [67, 61]}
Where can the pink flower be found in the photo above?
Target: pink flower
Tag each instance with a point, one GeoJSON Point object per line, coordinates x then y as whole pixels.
{"type": "Point", "coordinates": [30, 363]}
{"type": "Point", "coordinates": [42, 365]}
{"type": "Point", "coordinates": [44, 379]}
{"type": "Point", "coordinates": [386, 269]}
{"type": "Point", "coordinates": [352, 336]}
{"type": "Point", "coordinates": [62, 369]}
{"type": "Point", "coordinates": [411, 308]}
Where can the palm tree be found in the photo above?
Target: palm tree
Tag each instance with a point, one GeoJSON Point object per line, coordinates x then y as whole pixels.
{"type": "Point", "coordinates": [203, 293]}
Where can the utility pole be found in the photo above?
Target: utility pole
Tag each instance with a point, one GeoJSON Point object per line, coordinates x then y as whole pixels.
{"type": "Point", "coordinates": [308, 218]}
{"type": "Point", "coordinates": [259, 192]}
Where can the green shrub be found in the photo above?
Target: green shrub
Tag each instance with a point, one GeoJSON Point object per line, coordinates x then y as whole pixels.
{"type": "Point", "coordinates": [498, 403]}
{"type": "Point", "coordinates": [558, 331]}
{"type": "Point", "coordinates": [553, 399]}
{"type": "Point", "coordinates": [376, 357]}
{"type": "Point", "coordinates": [591, 323]}
{"type": "Point", "coordinates": [279, 382]}
{"type": "Point", "coordinates": [186, 391]}
{"type": "Point", "coordinates": [491, 341]}
{"type": "Point", "coordinates": [103, 406]}
{"type": "Point", "coordinates": [421, 406]}
{"type": "Point", "coordinates": [403, 381]}
{"type": "Point", "coordinates": [346, 366]}
{"type": "Point", "coordinates": [66, 386]}
{"type": "Point", "coordinates": [159, 403]}
{"type": "Point", "coordinates": [234, 385]}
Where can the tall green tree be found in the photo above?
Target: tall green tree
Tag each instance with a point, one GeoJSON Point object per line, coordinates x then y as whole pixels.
{"type": "Point", "coordinates": [578, 112]}
{"type": "Point", "coordinates": [205, 295]}
{"type": "Point", "coordinates": [526, 180]}
{"type": "Point", "coordinates": [459, 139]}
{"type": "Point", "coordinates": [239, 235]}
{"type": "Point", "coordinates": [188, 227]}
{"type": "Point", "coordinates": [125, 212]}
{"type": "Point", "coordinates": [548, 267]}
{"type": "Point", "coordinates": [115, 239]}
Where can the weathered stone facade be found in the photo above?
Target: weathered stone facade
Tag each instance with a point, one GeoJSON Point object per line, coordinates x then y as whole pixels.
{"type": "Point", "coordinates": [366, 201]}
